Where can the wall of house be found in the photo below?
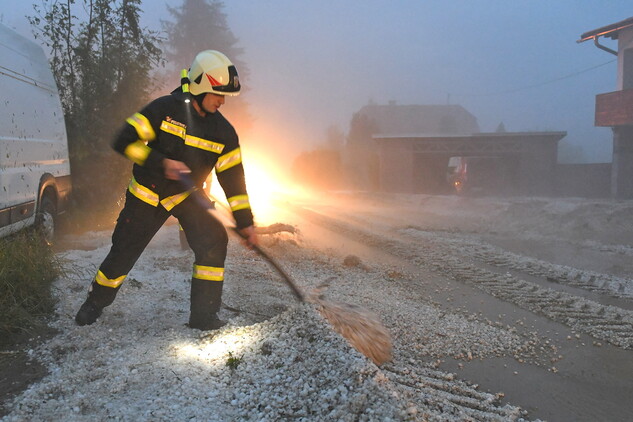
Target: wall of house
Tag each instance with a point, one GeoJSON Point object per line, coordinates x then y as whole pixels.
{"type": "Point", "coordinates": [625, 59]}
{"type": "Point", "coordinates": [396, 167]}
{"type": "Point", "coordinates": [622, 168]}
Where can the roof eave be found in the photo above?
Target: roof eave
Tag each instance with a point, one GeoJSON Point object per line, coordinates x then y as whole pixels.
{"type": "Point", "coordinates": [609, 30]}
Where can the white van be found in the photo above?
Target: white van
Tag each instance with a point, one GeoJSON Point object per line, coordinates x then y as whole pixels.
{"type": "Point", "coordinates": [34, 167]}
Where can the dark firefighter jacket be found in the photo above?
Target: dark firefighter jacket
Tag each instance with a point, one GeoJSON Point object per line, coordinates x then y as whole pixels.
{"type": "Point", "coordinates": [170, 128]}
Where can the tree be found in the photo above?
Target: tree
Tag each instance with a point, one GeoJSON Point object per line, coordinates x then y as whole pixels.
{"type": "Point", "coordinates": [335, 138]}
{"type": "Point", "coordinates": [319, 169]}
{"type": "Point", "coordinates": [361, 160]}
{"type": "Point", "coordinates": [201, 25]}
{"type": "Point", "coordinates": [569, 152]}
{"type": "Point", "coordinates": [102, 65]}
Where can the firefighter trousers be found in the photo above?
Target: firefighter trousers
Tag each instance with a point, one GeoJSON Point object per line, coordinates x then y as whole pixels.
{"type": "Point", "coordinates": [137, 224]}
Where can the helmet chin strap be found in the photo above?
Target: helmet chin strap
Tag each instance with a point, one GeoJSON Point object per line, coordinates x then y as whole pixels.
{"type": "Point", "coordinates": [198, 100]}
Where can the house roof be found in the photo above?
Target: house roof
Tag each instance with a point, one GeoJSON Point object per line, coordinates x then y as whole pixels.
{"type": "Point", "coordinates": [420, 119]}
{"type": "Point", "coordinates": [610, 31]}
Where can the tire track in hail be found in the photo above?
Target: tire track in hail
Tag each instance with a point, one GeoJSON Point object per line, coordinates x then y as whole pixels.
{"type": "Point", "coordinates": [451, 395]}
{"type": "Point", "coordinates": [604, 322]}
{"type": "Point", "coordinates": [604, 284]}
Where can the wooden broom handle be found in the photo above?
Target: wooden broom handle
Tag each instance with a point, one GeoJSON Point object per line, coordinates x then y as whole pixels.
{"type": "Point", "coordinates": [203, 198]}
{"type": "Point", "coordinates": [272, 261]}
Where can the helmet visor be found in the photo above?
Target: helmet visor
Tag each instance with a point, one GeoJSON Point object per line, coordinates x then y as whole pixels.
{"type": "Point", "coordinates": [234, 82]}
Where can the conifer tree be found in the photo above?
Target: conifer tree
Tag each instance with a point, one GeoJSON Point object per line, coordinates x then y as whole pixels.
{"type": "Point", "coordinates": [199, 25]}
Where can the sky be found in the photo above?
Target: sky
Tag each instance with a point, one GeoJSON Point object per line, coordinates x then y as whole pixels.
{"type": "Point", "coordinates": [313, 64]}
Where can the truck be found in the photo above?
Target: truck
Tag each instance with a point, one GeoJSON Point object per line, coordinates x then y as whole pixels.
{"type": "Point", "coordinates": [35, 180]}
{"type": "Point", "coordinates": [480, 175]}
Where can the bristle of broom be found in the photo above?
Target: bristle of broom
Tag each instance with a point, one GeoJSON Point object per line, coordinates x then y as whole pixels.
{"type": "Point", "coordinates": [360, 327]}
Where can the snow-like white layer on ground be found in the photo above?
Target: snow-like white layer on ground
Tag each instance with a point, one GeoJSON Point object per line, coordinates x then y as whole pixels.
{"type": "Point", "coordinates": [140, 362]}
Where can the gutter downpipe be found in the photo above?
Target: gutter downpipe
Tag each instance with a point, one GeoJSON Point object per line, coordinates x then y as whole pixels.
{"type": "Point", "coordinates": [602, 47]}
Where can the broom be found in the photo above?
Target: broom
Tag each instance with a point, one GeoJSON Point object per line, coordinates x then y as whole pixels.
{"type": "Point", "coordinates": [360, 327]}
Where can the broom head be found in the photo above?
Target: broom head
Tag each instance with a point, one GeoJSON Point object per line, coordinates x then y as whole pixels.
{"type": "Point", "coordinates": [360, 327]}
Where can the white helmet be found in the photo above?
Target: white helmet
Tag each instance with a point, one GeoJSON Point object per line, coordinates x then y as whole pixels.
{"type": "Point", "coordinates": [211, 71]}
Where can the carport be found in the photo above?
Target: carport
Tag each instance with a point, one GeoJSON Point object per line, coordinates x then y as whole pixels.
{"type": "Point", "coordinates": [418, 164]}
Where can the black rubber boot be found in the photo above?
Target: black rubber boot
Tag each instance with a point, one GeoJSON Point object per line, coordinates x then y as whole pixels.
{"type": "Point", "coordinates": [88, 313]}
{"type": "Point", "coordinates": [206, 297]}
{"type": "Point", "coordinates": [98, 298]}
{"type": "Point", "coordinates": [206, 322]}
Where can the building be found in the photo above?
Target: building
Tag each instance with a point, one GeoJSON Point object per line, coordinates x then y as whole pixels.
{"type": "Point", "coordinates": [615, 109]}
{"type": "Point", "coordinates": [407, 148]}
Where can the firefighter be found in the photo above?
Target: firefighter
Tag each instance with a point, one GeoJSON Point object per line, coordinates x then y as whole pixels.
{"type": "Point", "coordinates": [179, 134]}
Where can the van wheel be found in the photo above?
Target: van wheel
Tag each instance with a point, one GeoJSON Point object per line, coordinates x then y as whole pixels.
{"type": "Point", "coordinates": [45, 219]}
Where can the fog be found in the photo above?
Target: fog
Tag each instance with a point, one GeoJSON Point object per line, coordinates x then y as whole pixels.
{"type": "Point", "coordinates": [314, 64]}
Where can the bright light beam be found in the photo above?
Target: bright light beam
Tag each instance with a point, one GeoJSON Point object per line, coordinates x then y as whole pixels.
{"type": "Point", "coordinates": [219, 347]}
{"type": "Point", "coordinates": [265, 184]}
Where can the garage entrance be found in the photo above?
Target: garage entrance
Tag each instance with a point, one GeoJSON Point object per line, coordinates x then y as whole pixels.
{"type": "Point", "coordinates": [525, 162]}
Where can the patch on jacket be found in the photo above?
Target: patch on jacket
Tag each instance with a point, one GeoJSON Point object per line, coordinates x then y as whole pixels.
{"type": "Point", "coordinates": [175, 122]}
